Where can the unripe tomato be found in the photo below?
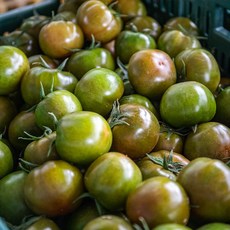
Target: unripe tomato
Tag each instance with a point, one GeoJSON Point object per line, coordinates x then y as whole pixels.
{"type": "Point", "coordinates": [13, 65]}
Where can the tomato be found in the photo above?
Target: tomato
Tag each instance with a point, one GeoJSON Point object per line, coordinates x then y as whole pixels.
{"type": "Point", "coordinates": [151, 72]}
{"type": "Point", "coordinates": [41, 150]}
{"type": "Point", "coordinates": [146, 24]}
{"type": "Point", "coordinates": [65, 16]}
{"type": "Point", "coordinates": [198, 65]}
{"type": "Point", "coordinates": [158, 200]}
{"type": "Point", "coordinates": [50, 79]}
{"type": "Point", "coordinates": [186, 104]}
{"type": "Point", "coordinates": [57, 38]}
{"type": "Point", "coordinates": [183, 24]}
{"type": "Point", "coordinates": [210, 139]}
{"type": "Point", "coordinates": [8, 112]}
{"type": "Point", "coordinates": [207, 184]}
{"type": "Point", "coordinates": [135, 130]}
{"type": "Point", "coordinates": [6, 159]}
{"type": "Point", "coordinates": [70, 5]}
{"type": "Point", "coordinates": [131, 8]}
{"type": "Point", "coordinates": [98, 89]}
{"type": "Point", "coordinates": [21, 40]}
{"type": "Point", "coordinates": [23, 124]}
{"type": "Point", "coordinates": [13, 65]}
{"type": "Point", "coordinates": [172, 226]}
{"type": "Point", "coordinates": [11, 197]}
{"type": "Point", "coordinates": [108, 222]}
{"type": "Point", "coordinates": [222, 111]}
{"type": "Point", "coordinates": [84, 60]}
{"type": "Point", "coordinates": [110, 178]}
{"type": "Point", "coordinates": [33, 24]}
{"type": "Point", "coordinates": [35, 60]}
{"type": "Point", "coordinates": [98, 20]}
{"type": "Point", "coordinates": [174, 41]}
{"type": "Point", "coordinates": [141, 100]}
{"type": "Point", "coordinates": [54, 106]}
{"type": "Point", "coordinates": [215, 226]}
{"type": "Point", "coordinates": [82, 137]}
{"type": "Point", "coordinates": [43, 223]}
{"type": "Point", "coordinates": [52, 188]}
{"type": "Point", "coordinates": [169, 140]}
{"type": "Point", "coordinates": [129, 42]}
{"type": "Point", "coordinates": [86, 212]}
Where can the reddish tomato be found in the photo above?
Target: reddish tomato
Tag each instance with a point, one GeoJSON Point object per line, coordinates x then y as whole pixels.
{"type": "Point", "coordinates": [151, 72]}
{"type": "Point", "coordinates": [158, 200]}
{"type": "Point", "coordinates": [206, 181]}
{"type": "Point", "coordinates": [135, 130]}
{"type": "Point", "coordinates": [52, 188]}
{"type": "Point", "coordinates": [98, 20]}
{"type": "Point", "coordinates": [57, 38]}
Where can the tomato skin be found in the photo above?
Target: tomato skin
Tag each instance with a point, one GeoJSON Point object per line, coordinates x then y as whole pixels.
{"type": "Point", "coordinates": [174, 41]}
{"type": "Point", "coordinates": [146, 24]}
{"type": "Point", "coordinates": [23, 122]}
{"type": "Point", "coordinates": [215, 226]}
{"type": "Point", "coordinates": [57, 38]}
{"type": "Point", "coordinates": [158, 200]}
{"type": "Point", "coordinates": [110, 178]}
{"type": "Point", "coordinates": [82, 137]}
{"type": "Point", "coordinates": [8, 112]}
{"type": "Point", "coordinates": [129, 42]}
{"type": "Point", "coordinates": [52, 188]}
{"type": "Point", "coordinates": [172, 226]}
{"type": "Point", "coordinates": [151, 72]}
{"type": "Point", "coordinates": [187, 103]}
{"type": "Point", "coordinates": [222, 111]}
{"type": "Point", "coordinates": [138, 135]}
{"type": "Point", "coordinates": [111, 222]}
{"type": "Point", "coordinates": [95, 18]}
{"type": "Point", "coordinates": [42, 150]}
{"type": "Point", "coordinates": [13, 65]}
{"type": "Point", "coordinates": [198, 65]}
{"type": "Point", "coordinates": [205, 174]}
{"type": "Point", "coordinates": [6, 159]}
{"type": "Point", "coordinates": [43, 223]}
{"type": "Point", "coordinates": [211, 139]}
{"type": "Point", "coordinates": [11, 197]}
{"type": "Point", "coordinates": [31, 83]}
{"type": "Point", "coordinates": [59, 103]}
{"type": "Point", "coordinates": [98, 89]}
{"type": "Point", "coordinates": [81, 62]}
{"type": "Point", "coordinates": [182, 24]}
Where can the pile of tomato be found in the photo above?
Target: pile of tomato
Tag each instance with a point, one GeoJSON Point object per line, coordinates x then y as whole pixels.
{"type": "Point", "coordinates": [110, 120]}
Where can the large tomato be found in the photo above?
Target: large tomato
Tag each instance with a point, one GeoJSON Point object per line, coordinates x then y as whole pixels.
{"type": "Point", "coordinates": [207, 184]}
{"type": "Point", "coordinates": [98, 20]}
{"type": "Point", "coordinates": [82, 137]}
{"type": "Point", "coordinates": [151, 72]}
{"type": "Point", "coordinates": [110, 178]}
{"type": "Point", "coordinates": [52, 188]}
{"type": "Point", "coordinates": [186, 104]}
{"type": "Point", "coordinates": [198, 65]}
{"type": "Point", "coordinates": [210, 139]}
{"type": "Point", "coordinates": [57, 38]}
{"type": "Point", "coordinates": [13, 65]}
{"type": "Point", "coordinates": [135, 130]}
{"type": "Point", "coordinates": [98, 89]}
{"type": "Point", "coordinates": [158, 200]}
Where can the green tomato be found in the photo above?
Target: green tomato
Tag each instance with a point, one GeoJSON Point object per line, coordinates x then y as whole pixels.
{"type": "Point", "coordinates": [172, 226]}
{"type": "Point", "coordinates": [186, 104]}
{"type": "Point", "coordinates": [13, 65]}
{"type": "Point", "coordinates": [215, 226]}
{"type": "Point", "coordinates": [11, 197]}
{"type": "Point", "coordinates": [6, 160]}
{"type": "Point", "coordinates": [110, 179]}
{"type": "Point", "coordinates": [54, 106]}
{"type": "Point", "coordinates": [98, 89]}
{"type": "Point", "coordinates": [82, 137]}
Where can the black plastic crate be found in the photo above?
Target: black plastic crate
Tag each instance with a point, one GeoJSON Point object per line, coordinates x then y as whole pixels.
{"type": "Point", "coordinates": [12, 19]}
{"type": "Point", "coordinates": [211, 16]}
